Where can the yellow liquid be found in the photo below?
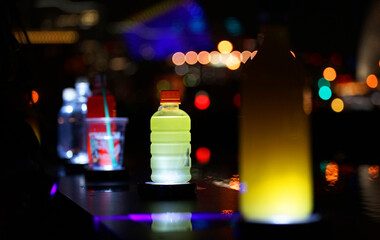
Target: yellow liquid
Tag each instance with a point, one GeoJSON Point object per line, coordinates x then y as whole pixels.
{"type": "Point", "coordinates": [275, 156]}
{"type": "Point", "coordinates": [170, 146]}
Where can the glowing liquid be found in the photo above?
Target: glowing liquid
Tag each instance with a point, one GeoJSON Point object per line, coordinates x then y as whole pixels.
{"type": "Point", "coordinates": [170, 148]}
{"type": "Point", "coordinates": [275, 159]}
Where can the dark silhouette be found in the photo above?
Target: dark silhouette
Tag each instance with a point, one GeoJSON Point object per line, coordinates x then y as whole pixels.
{"type": "Point", "coordinates": [24, 187]}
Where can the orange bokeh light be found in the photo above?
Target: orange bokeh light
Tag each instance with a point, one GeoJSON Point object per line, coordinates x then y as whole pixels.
{"type": "Point", "coordinates": [204, 57]}
{"type": "Point", "coordinates": [329, 74]}
{"type": "Point", "coordinates": [372, 81]}
{"type": "Point", "coordinates": [225, 47]}
{"type": "Point", "coordinates": [178, 58]}
{"type": "Point", "coordinates": [191, 57]}
{"type": "Point", "coordinates": [35, 97]}
{"type": "Point", "coordinates": [332, 173]}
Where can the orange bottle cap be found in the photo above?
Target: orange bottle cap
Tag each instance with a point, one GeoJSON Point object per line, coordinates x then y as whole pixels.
{"type": "Point", "coordinates": [170, 96]}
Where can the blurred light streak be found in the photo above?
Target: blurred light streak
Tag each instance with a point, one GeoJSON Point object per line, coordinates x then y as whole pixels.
{"type": "Point", "coordinates": [49, 37]}
{"type": "Point", "coordinates": [350, 89]}
{"type": "Point", "coordinates": [307, 102]}
{"type": "Point", "coordinates": [155, 27]}
{"type": "Point", "coordinates": [369, 48]}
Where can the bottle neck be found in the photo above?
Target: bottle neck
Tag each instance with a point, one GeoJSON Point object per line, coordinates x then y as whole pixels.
{"type": "Point", "coordinates": [169, 106]}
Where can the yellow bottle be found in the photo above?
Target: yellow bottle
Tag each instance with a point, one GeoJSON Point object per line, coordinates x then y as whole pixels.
{"type": "Point", "coordinates": [275, 156]}
{"type": "Point", "coordinates": [170, 141]}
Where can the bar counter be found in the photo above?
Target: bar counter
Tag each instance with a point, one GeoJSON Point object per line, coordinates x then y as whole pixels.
{"type": "Point", "coordinates": [114, 210]}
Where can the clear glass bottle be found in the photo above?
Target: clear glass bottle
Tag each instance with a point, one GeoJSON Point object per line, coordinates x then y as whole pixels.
{"type": "Point", "coordinates": [65, 123]}
{"type": "Point", "coordinates": [170, 141]}
{"type": "Point", "coordinates": [82, 88]}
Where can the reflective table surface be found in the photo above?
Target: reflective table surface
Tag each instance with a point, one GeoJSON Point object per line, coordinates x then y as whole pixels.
{"type": "Point", "coordinates": [347, 203]}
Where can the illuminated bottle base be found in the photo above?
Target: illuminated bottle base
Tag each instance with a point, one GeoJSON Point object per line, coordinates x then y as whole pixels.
{"type": "Point", "coordinates": [152, 190]}
{"type": "Point", "coordinates": [286, 220]}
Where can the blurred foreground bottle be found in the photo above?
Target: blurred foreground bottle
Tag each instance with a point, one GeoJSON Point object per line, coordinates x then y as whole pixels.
{"type": "Point", "coordinates": [170, 139]}
{"type": "Point", "coordinates": [82, 88]}
{"type": "Point", "coordinates": [95, 103]}
{"type": "Point", "coordinates": [275, 158]}
{"type": "Point", "coordinates": [65, 122]}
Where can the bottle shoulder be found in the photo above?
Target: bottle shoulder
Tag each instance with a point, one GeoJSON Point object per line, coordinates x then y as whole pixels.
{"type": "Point", "coordinates": [171, 113]}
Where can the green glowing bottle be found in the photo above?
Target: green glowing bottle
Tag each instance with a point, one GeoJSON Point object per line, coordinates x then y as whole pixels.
{"type": "Point", "coordinates": [170, 141]}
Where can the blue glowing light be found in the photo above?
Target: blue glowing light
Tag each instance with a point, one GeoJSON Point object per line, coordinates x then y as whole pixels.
{"type": "Point", "coordinates": [323, 82]}
{"type": "Point", "coordinates": [233, 26]}
{"type": "Point", "coordinates": [176, 28]}
{"type": "Point", "coordinates": [325, 93]}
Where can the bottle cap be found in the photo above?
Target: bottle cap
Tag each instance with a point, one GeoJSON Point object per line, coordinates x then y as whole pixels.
{"type": "Point", "coordinates": [170, 96]}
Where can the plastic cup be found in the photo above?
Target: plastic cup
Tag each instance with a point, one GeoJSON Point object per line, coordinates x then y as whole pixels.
{"type": "Point", "coordinates": [105, 148]}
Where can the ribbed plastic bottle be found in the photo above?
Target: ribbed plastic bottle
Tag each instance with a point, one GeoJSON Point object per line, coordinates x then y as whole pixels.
{"type": "Point", "coordinates": [65, 128]}
{"type": "Point", "coordinates": [170, 141]}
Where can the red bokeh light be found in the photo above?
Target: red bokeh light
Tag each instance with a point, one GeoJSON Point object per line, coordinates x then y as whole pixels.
{"type": "Point", "coordinates": [237, 99]}
{"type": "Point", "coordinates": [202, 102]}
{"type": "Point", "coordinates": [203, 155]}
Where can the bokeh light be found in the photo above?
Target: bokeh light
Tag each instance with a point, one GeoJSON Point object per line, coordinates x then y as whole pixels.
{"type": "Point", "coordinates": [191, 57]}
{"type": "Point", "coordinates": [178, 58]}
{"type": "Point", "coordinates": [323, 82]}
{"type": "Point", "coordinates": [237, 100]}
{"type": "Point", "coordinates": [372, 81]}
{"type": "Point", "coordinates": [253, 54]}
{"type": "Point", "coordinates": [204, 57]}
{"type": "Point", "coordinates": [215, 57]}
{"type": "Point", "coordinates": [245, 55]}
{"type": "Point", "coordinates": [202, 100]}
{"type": "Point", "coordinates": [337, 105]}
{"type": "Point", "coordinates": [203, 155]}
{"type": "Point", "coordinates": [225, 47]}
{"type": "Point", "coordinates": [329, 74]}
{"type": "Point", "coordinates": [325, 93]}
{"type": "Point", "coordinates": [35, 97]}
{"type": "Point", "coordinates": [233, 62]}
